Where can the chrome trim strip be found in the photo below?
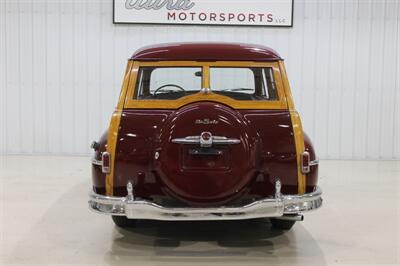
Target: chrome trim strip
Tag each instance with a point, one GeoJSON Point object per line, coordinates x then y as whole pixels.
{"type": "Point", "coordinates": [314, 162]}
{"type": "Point", "coordinates": [143, 209]}
{"type": "Point", "coordinates": [97, 162]}
{"type": "Point", "coordinates": [218, 140]}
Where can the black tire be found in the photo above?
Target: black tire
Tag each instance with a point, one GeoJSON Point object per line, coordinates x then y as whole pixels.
{"type": "Point", "coordinates": [123, 222]}
{"type": "Point", "coordinates": [282, 224]}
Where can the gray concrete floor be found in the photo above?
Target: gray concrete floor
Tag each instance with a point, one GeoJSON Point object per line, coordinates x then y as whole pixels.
{"type": "Point", "coordinates": [45, 221]}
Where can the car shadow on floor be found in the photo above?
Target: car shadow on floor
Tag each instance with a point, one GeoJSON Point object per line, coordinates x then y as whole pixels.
{"type": "Point", "coordinates": [244, 242]}
{"type": "Point", "coordinates": [241, 233]}
{"type": "Point", "coordinates": [200, 239]}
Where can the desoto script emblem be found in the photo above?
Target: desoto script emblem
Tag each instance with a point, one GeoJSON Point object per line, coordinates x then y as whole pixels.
{"type": "Point", "coordinates": [158, 4]}
{"type": "Point", "coordinates": [205, 121]}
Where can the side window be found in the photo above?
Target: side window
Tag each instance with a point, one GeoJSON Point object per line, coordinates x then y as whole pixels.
{"type": "Point", "coordinates": [244, 83]}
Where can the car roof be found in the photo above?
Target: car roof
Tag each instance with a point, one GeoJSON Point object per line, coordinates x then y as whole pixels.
{"type": "Point", "coordinates": [206, 52]}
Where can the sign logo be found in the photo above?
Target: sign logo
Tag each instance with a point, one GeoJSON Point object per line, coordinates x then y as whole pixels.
{"type": "Point", "coordinates": [276, 13]}
{"type": "Point", "coordinates": [158, 4]}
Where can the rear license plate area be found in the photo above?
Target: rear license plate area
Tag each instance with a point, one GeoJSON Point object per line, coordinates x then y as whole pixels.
{"type": "Point", "coordinates": [198, 158]}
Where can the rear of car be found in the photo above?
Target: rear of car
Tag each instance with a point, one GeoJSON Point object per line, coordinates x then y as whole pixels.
{"type": "Point", "coordinates": [205, 132]}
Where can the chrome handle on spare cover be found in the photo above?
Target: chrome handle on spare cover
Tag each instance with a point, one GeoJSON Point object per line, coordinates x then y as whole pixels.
{"type": "Point", "coordinates": [206, 139]}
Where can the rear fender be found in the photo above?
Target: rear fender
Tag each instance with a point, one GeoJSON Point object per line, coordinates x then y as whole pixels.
{"type": "Point", "coordinates": [98, 177]}
{"type": "Point", "coordinates": [312, 176]}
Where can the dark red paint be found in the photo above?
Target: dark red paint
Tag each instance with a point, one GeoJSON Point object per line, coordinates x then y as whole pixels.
{"type": "Point", "coordinates": [245, 170]}
{"type": "Point", "coordinates": [206, 52]}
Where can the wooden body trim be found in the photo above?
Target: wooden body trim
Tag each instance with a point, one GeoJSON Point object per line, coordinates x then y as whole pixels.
{"type": "Point", "coordinates": [113, 128]}
{"type": "Point", "coordinates": [299, 141]}
{"type": "Point", "coordinates": [297, 129]}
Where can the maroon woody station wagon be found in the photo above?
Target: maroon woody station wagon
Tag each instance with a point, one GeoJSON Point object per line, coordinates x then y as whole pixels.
{"type": "Point", "coordinates": [205, 131]}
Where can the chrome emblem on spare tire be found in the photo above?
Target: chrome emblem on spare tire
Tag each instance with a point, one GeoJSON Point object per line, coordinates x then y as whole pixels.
{"type": "Point", "coordinates": [206, 139]}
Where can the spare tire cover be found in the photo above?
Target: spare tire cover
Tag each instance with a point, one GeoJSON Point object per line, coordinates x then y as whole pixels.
{"type": "Point", "coordinates": [213, 174]}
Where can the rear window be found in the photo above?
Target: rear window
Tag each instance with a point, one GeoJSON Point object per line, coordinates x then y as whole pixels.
{"type": "Point", "coordinates": [245, 83]}
{"type": "Point", "coordinates": [239, 83]}
{"type": "Point", "coordinates": [168, 83]}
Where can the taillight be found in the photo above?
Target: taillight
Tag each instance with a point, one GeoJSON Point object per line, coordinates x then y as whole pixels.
{"type": "Point", "coordinates": [305, 162]}
{"type": "Point", "coordinates": [105, 162]}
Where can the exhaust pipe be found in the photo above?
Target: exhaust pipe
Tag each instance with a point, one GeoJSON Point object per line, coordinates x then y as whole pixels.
{"type": "Point", "coordinates": [296, 217]}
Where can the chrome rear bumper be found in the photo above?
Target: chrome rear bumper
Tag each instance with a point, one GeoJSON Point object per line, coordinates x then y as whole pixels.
{"type": "Point", "coordinates": [143, 209]}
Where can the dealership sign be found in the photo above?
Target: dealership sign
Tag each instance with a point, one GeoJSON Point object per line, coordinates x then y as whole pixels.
{"type": "Point", "coordinates": [205, 12]}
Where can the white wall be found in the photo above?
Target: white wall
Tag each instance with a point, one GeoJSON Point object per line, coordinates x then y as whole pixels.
{"type": "Point", "coordinates": [61, 66]}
